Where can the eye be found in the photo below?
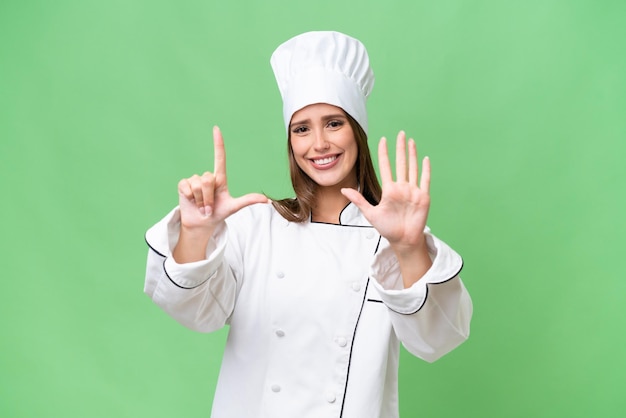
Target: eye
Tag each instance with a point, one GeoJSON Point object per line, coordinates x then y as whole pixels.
{"type": "Point", "coordinates": [334, 124]}
{"type": "Point", "coordinates": [299, 130]}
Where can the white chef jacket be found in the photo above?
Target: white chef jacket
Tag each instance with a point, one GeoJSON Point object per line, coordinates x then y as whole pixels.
{"type": "Point", "coordinates": [316, 311]}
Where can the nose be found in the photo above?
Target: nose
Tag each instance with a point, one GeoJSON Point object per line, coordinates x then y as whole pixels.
{"type": "Point", "coordinates": [321, 142]}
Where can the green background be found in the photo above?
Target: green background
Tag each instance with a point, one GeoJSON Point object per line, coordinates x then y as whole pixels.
{"type": "Point", "coordinates": [104, 106]}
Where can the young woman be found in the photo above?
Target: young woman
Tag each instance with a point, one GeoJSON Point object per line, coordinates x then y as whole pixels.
{"type": "Point", "coordinates": [318, 290]}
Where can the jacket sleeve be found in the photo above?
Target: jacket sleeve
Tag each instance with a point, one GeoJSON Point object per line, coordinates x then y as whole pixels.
{"type": "Point", "coordinates": [432, 317]}
{"type": "Point", "coordinates": [199, 295]}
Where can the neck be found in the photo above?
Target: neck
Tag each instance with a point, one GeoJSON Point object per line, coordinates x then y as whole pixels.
{"type": "Point", "coordinates": [329, 202]}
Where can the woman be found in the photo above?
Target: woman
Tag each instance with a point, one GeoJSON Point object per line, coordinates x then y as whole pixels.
{"type": "Point", "coordinates": [318, 290]}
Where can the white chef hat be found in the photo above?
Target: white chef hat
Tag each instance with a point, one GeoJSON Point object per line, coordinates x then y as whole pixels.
{"type": "Point", "coordinates": [323, 67]}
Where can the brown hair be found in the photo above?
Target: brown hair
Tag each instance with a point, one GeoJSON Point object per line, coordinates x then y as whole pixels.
{"type": "Point", "coordinates": [298, 209]}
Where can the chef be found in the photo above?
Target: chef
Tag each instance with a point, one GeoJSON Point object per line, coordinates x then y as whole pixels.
{"type": "Point", "coordinates": [319, 290]}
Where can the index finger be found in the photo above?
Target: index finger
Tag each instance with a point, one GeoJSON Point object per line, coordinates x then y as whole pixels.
{"type": "Point", "coordinates": [383, 162]}
{"type": "Point", "coordinates": [219, 166]}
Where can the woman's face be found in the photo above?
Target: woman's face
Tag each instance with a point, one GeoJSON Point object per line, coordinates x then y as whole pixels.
{"type": "Point", "coordinates": [324, 146]}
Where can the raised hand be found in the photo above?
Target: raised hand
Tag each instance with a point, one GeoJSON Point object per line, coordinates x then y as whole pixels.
{"type": "Point", "coordinates": [401, 215]}
{"type": "Point", "coordinates": [402, 212]}
{"type": "Point", "coordinates": [205, 202]}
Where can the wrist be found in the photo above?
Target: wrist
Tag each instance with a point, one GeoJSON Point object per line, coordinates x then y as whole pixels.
{"type": "Point", "coordinates": [197, 232]}
{"type": "Point", "coordinates": [192, 244]}
{"type": "Point", "coordinates": [410, 249]}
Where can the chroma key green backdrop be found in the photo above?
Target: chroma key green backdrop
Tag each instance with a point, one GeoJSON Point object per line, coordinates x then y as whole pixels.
{"type": "Point", "coordinates": [105, 105]}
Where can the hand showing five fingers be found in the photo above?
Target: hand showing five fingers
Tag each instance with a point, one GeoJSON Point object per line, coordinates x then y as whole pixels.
{"type": "Point", "coordinates": [402, 212]}
{"type": "Point", "coordinates": [205, 200]}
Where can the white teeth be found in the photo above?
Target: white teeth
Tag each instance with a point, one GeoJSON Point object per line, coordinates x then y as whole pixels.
{"type": "Point", "coordinates": [325, 161]}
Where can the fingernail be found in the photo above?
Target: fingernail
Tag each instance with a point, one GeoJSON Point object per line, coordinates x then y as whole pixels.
{"type": "Point", "coordinates": [202, 212]}
{"type": "Point", "coordinates": [208, 210]}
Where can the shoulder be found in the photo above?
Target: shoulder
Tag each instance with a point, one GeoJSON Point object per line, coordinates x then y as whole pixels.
{"type": "Point", "coordinates": [258, 213]}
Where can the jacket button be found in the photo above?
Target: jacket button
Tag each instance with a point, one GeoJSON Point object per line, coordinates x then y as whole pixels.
{"type": "Point", "coordinates": [330, 397]}
{"type": "Point", "coordinates": [280, 274]}
{"type": "Point", "coordinates": [275, 388]}
{"type": "Point", "coordinates": [356, 286]}
{"type": "Point", "coordinates": [342, 342]}
{"type": "Point", "coordinates": [280, 333]}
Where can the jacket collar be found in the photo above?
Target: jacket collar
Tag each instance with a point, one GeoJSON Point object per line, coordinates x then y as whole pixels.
{"type": "Point", "coordinates": [352, 216]}
{"type": "Point", "coordinates": [349, 216]}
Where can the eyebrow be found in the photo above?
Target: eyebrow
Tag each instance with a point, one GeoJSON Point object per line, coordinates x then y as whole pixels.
{"type": "Point", "coordinates": [325, 118]}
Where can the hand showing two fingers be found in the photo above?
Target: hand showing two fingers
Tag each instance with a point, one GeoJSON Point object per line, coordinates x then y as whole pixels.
{"type": "Point", "coordinates": [204, 200]}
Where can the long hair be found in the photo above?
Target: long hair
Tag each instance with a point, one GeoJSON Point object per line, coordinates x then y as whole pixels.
{"type": "Point", "coordinates": [298, 209]}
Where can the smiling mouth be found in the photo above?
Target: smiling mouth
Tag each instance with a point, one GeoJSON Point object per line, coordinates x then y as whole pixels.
{"type": "Point", "coordinates": [325, 161]}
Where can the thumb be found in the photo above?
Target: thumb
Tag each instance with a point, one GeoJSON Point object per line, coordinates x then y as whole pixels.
{"type": "Point", "coordinates": [247, 200]}
{"type": "Point", "coordinates": [358, 200]}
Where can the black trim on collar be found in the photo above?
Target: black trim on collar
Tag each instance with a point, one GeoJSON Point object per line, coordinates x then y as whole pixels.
{"type": "Point", "coordinates": [344, 225]}
{"type": "Point", "coordinates": [341, 213]}
{"type": "Point", "coordinates": [340, 223]}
